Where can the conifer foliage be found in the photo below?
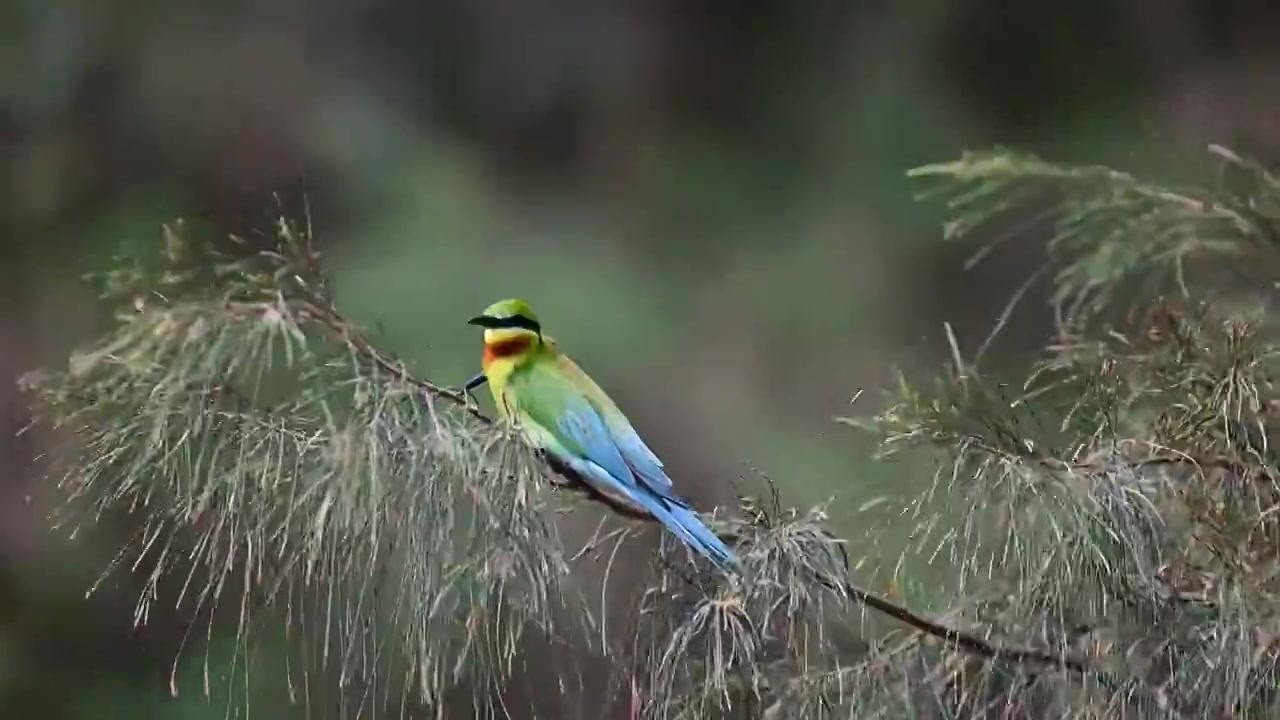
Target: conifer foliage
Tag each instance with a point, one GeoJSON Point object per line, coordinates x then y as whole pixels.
{"type": "Point", "coordinates": [1117, 545]}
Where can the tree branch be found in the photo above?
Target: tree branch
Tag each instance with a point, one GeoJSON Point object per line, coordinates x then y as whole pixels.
{"type": "Point", "coordinates": [344, 331]}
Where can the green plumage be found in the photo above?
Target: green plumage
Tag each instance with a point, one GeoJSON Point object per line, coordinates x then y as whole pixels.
{"type": "Point", "coordinates": [561, 410]}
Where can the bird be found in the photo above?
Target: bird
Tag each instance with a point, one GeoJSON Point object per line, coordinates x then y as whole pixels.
{"type": "Point", "coordinates": [561, 411]}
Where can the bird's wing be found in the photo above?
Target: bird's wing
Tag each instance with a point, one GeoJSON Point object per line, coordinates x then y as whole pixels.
{"type": "Point", "coordinates": [643, 461]}
{"type": "Point", "coordinates": [565, 415]}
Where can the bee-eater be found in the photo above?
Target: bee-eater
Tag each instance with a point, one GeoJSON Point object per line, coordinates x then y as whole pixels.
{"type": "Point", "coordinates": [560, 410]}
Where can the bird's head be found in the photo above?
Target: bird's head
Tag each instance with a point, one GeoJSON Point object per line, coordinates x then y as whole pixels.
{"type": "Point", "coordinates": [511, 331]}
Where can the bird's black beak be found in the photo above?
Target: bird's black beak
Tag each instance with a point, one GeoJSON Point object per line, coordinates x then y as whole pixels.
{"type": "Point", "coordinates": [483, 321]}
{"type": "Point", "coordinates": [475, 382]}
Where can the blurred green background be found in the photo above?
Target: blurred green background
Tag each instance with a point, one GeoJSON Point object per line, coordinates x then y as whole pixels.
{"type": "Point", "coordinates": [705, 202]}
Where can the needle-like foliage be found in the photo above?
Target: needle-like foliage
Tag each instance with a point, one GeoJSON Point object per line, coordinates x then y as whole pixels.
{"type": "Point", "coordinates": [1121, 504]}
{"type": "Point", "coordinates": [1111, 523]}
{"type": "Point", "coordinates": [275, 463]}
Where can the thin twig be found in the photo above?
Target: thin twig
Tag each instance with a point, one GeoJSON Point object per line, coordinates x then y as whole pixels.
{"type": "Point", "coordinates": [962, 640]}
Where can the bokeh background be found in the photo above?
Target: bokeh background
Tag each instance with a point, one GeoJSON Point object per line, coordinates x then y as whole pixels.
{"type": "Point", "coordinates": [705, 201]}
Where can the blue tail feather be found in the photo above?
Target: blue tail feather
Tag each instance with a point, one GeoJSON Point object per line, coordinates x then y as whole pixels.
{"type": "Point", "coordinates": [684, 522]}
{"type": "Point", "coordinates": [679, 518]}
{"type": "Point", "coordinates": [705, 540]}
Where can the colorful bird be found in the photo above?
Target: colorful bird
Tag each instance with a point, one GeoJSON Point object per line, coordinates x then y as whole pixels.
{"type": "Point", "coordinates": [559, 409]}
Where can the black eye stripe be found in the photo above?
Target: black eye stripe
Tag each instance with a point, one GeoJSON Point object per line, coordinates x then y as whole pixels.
{"type": "Point", "coordinates": [515, 321]}
{"type": "Point", "coordinates": [519, 321]}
